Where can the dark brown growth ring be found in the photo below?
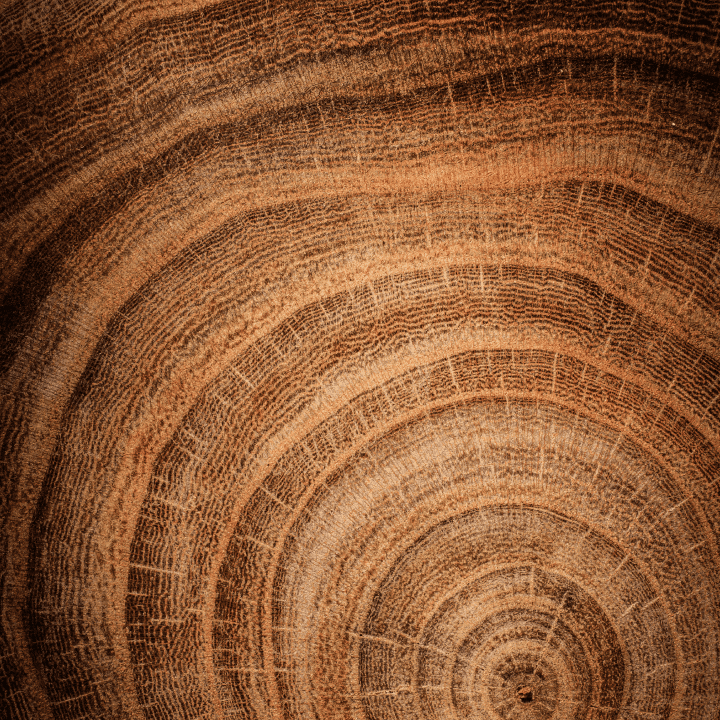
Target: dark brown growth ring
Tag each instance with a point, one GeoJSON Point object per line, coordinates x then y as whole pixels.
{"type": "Point", "coordinates": [525, 694]}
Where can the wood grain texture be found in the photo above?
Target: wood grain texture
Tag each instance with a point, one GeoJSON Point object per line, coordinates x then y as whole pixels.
{"type": "Point", "coordinates": [360, 361]}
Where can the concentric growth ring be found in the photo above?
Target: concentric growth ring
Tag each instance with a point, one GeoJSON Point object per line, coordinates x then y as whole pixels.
{"type": "Point", "coordinates": [428, 591]}
{"type": "Point", "coordinates": [360, 360]}
{"type": "Point", "coordinates": [506, 642]}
